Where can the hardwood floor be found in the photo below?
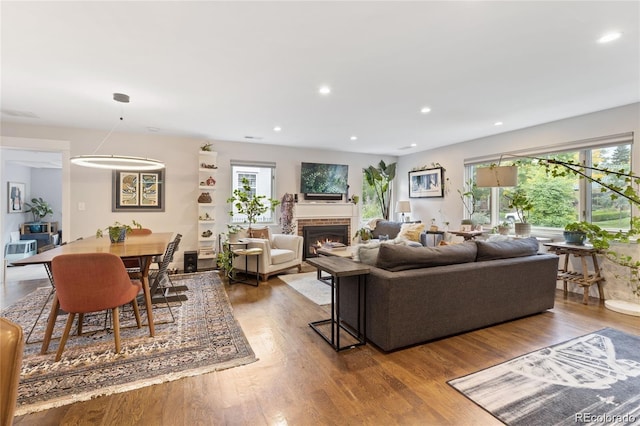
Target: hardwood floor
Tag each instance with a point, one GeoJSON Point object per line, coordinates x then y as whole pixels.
{"type": "Point", "coordinates": [300, 380]}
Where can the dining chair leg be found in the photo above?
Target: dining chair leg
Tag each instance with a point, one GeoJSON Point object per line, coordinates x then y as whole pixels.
{"type": "Point", "coordinates": [80, 321]}
{"type": "Point", "coordinates": [136, 312]}
{"type": "Point", "coordinates": [116, 327]}
{"type": "Point", "coordinates": [65, 335]}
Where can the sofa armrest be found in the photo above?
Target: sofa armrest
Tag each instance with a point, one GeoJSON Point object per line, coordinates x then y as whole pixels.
{"type": "Point", "coordinates": [288, 242]}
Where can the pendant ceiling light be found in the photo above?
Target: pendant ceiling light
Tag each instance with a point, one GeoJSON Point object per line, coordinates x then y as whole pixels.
{"type": "Point", "coordinates": [116, 162]}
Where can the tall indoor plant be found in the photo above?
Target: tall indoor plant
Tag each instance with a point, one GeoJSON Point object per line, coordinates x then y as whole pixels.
{"type": "Point", "coordinates": [380, 178]}
{"type": "Point", "coordinates": [245, 202]}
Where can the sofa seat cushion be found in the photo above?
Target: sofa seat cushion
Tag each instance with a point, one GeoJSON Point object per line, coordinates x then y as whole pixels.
{"type": "Point", "coordinates": [279, 256]}
{"type": "Point", "coordinates": [492, 250]}
{"type": "Point", "coordinates": [400, 257]}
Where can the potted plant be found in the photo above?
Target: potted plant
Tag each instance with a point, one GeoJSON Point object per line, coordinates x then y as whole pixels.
{"type": "Point", "coordinates": [364, 234]}
{"type": "Point", "coordinates": [468, 196]}
{"type": "Point", "coordinates": [380, 178]}
{"type": "Point", "coordinates": [578, 232]}
{"type": "Point", "coordinates": [252, 205]}
{"type": "Point", "coordinates": [233, 232]}
{"type": "Point", "coordinates": [40, 209]}
{"type": "Point", "coordinates": [504, 227]}
{"type": "Point", "coordinates": [118, 231]}
{"type": "Point", "coordinates": [519, 201]}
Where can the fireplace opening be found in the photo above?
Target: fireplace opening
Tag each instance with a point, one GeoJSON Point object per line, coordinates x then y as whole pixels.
{"type": "Point", "coordinates": [316, 236]}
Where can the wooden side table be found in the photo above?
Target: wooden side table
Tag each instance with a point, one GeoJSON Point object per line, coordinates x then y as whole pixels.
{"type": "Point", "coordinates": [584, 279]}
{"type": "Point", "coordinates": [339, 267]}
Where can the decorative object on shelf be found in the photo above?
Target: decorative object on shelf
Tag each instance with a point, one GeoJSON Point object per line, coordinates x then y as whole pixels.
{"type": "Point", "coordinates": [245, 202]}
{"type": "Point", "coordinates": [205, 216]}
{"type": "Point", "coordinates": [207, 233]}
{"type": "Point", "coordinates": [380, 178]}
{"type": "Point", "coordinates": [210, 181]}
{"type": "Point", "coordinates": [118, 231]}
{"type": "Point", "coordinates": [15, 197]}
{"type": "Point", "coordinates": [208, 166]}
{"type": "Point", "coordinates": [355, 199]}
{"type": "Point", "coordinates": [286, 213]}
{"type": "Point", "coordinates": [138, 190]}
{"type": "Point", "coordinates": [426, 183]}
{"type": "Point", "coordinates": [40, 209]}
{"type": "Point", "coordinates": [206, 147]}
{"type": "Point", "coordinates": [116, 162]}
{"type": "Point", "coordinates": [205, 197]}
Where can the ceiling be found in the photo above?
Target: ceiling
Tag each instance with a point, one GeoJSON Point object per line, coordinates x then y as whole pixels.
{"type": "Point", "coordinates": [235, 70]}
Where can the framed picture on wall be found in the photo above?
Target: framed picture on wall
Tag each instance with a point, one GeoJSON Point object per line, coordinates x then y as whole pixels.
{"type": "Point", "coordinates": [15, 197]}
{"type": "Point", "coordinates": [141, 191]}
{"type": "Point", "coordinates": [426, 183]}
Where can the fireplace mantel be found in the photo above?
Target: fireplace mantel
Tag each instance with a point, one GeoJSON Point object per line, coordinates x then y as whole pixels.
{"type": "Point", "coordinates": [325, 210]}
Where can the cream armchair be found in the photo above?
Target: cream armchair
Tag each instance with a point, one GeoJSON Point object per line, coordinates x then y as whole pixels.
{"type": "Point", "coordinates": [279, 253]}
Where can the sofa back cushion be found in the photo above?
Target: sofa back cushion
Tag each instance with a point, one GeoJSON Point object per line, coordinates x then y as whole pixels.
{"type": "Point", "coordinates": [400, 257]}
{"type": "Point", "coordinates": [491, 250]}
{"type": "Point", "coordinates": [386, 227]}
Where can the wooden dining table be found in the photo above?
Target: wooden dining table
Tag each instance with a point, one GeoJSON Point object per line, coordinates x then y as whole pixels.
{"type": "Point", "coordinates": [142, 247]}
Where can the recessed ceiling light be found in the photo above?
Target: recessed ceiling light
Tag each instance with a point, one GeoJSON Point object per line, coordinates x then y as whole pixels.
{"type": "Point", "coordinates": [425, 110]}
{"type": "Point", "coordinates": [354, 138]}
{"type": "Point", "coordinates": [610, 37]}
{"type": "Point", "coordinates": [413, 145]}
{"type": "Point", "coordinates": [324, 90]}
{"type": "Point", "coordinates": [277, 129]}
{"type": "Point", "coordinates": [498, 123]}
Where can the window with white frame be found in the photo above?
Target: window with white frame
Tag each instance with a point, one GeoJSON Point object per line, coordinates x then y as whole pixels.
{"type": "Point", "coordinates": [561, 200]}
{"type": "Point", "coordinates": [261, 178]}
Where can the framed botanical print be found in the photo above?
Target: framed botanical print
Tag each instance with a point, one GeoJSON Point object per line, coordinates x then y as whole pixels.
{"type": "Point", "coordinates": [141, 191]}
{"type": "Point", "coordinates": [426, 183]}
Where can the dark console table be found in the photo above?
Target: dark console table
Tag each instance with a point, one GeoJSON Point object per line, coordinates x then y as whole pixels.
{"type": "Point", "coordinates": [339, 267]}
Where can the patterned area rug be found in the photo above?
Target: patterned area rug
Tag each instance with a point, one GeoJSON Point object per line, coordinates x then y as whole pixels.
{"type": "Point", "coordinates": [205, 337]}
{"type": "Point", "coordinates": [309, 286]}
{"type": "Point", "coordinates": [593, 379]}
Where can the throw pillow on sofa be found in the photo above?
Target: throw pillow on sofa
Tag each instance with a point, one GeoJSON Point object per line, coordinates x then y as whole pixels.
{"type": "Point", "coordinates": [400, 257]}
{"type": "Point", "coordinates": [411, 231]}
{"type": "Point", "coordinates": [492, 250]}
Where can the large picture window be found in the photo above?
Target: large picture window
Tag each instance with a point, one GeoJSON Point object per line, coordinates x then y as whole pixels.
{"type": "Point", "coordinates": [561, 200]}
{"type": "Point", "coordinates": [261, 177]}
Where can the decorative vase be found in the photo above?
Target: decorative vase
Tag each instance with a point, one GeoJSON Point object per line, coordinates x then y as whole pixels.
{"type": "Point", "coordinates": [233, 237]}
{"type": "Point", "coordinates": [574, 237]}
{"type": "Point", "coordinates": [503, 230]}
{"type": "Point", "coordinates": [35, 228]}
{"type": "Point", "coordinates": [523, 229]}
{"type": "Point", "coordinates": [205, 197]}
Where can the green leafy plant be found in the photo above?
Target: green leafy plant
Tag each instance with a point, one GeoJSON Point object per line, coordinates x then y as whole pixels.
{"type": "Point", "coordinates": [380, 178]}
{"type": "Point", "coordinates": [251, 205]}
{"type": "Point", "coordinates": [39, 208]}
{"type": "Point", "coordinates": [115, 230]}
{"type": "Point", "coordinates": [469, 197]}
{"type": "Point", "coordinates": [519, 201]}
{"type": "Point", "coordinates": [365, 234]}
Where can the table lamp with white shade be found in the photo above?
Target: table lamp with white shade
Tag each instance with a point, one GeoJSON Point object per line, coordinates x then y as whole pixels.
{"type": "Point", "coordinates": [403, 207]}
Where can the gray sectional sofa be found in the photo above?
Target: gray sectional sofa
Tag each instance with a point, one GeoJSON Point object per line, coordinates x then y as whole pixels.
{"type": "Point", "coordinates": [417, 294]}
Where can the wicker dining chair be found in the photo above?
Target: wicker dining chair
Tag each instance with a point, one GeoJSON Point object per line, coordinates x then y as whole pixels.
{"type": "Point", "coordinates": [93, 282]}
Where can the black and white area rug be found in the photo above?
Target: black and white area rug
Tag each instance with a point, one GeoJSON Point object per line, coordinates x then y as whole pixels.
{"type": "Point", "coordinates": [593, 379]}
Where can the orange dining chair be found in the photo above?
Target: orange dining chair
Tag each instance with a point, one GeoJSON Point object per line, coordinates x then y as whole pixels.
{"type": "Point", "coordinates": [93, 282]}
{"type": "Point", "coordinates": [11, 348]}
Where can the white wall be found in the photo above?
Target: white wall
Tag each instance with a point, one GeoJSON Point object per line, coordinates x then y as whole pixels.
{"type": "Point", "coordinates": [93, 187]}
